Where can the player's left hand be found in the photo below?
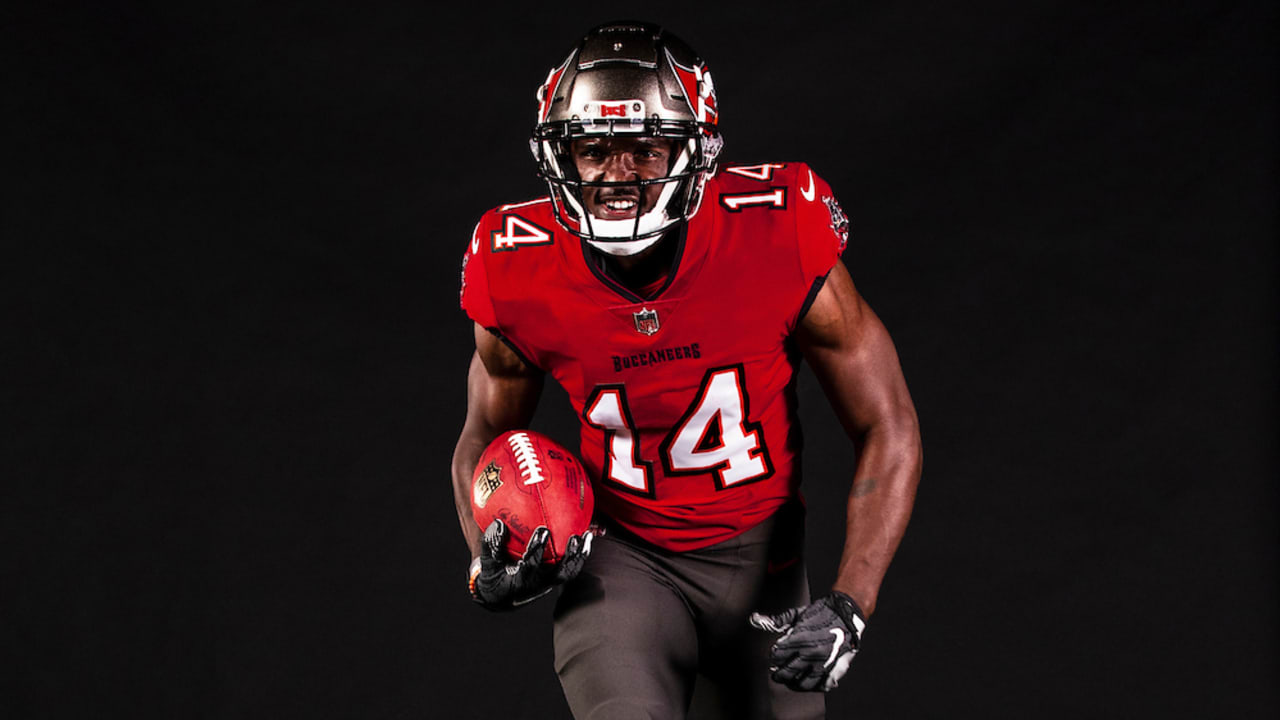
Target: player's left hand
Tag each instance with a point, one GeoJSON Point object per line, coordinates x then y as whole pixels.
{"type": "Point", "coordinates": [817, 644]}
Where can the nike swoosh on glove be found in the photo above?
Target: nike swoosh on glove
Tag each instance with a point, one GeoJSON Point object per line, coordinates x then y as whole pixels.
{"type": "Point", "coordinates": [817, 644]}
{"type": "Point", "coordinates": [498, 584]}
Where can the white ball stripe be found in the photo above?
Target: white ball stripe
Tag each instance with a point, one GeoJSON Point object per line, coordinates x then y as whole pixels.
{"type": "Point", "coordinates": [526, 458]}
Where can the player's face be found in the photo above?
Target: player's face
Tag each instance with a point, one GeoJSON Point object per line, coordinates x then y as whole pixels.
{"type": "Point", "coordinates": [621, 159]}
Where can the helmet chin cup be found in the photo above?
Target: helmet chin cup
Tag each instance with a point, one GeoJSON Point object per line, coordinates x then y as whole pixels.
{"type": "Point", "coordinates": [623, 248]}
{"type": "Point", "coordinates": [628, 79]}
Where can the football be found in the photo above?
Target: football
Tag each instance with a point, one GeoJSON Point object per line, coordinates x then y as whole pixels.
{"type": "Point", "coordinates": [527, 479]}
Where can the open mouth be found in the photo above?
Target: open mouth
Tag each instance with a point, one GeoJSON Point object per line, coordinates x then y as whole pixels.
{"type": "Point", "coordinates": [617, 206]}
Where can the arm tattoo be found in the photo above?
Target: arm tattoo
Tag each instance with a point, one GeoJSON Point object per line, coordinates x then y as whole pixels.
{"type": "Point", "coordinates": [864, 487]}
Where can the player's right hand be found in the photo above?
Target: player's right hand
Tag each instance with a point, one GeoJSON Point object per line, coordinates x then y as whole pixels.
{"type": "Point", "coordinates": [498, 584]}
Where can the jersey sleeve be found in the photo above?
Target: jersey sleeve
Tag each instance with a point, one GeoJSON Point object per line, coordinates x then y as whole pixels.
{"type": "Point", "coordinates": [474, 296]}
{"type": "Point", "coordinates": [822, 229]}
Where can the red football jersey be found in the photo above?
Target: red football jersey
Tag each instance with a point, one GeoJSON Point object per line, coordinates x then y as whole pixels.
{"type": "Point", "coordinates": [686, 399]}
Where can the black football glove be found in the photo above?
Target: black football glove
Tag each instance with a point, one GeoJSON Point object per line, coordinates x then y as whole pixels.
{"type": "Point", "coordinates": [498, 584]}
{"type": "Point", "coordinates": [817, 644]}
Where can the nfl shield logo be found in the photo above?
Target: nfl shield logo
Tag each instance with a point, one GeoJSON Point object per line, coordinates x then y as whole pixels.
{"type": "Point", "coordinates": [647, 321]}
{"type": "Point", "coordinates": [490, 480]}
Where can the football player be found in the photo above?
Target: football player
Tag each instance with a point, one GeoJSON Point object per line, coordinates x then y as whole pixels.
{"type": "Point", "coordinates": [673, 300]}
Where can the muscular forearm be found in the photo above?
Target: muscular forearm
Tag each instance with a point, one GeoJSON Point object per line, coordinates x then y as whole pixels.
{"type": "Point", "coordinates": [879, 507]}
{"type": "Point", "coordinates": [465, 456]}
{"type": "Point", "coordinates": [502, 393]}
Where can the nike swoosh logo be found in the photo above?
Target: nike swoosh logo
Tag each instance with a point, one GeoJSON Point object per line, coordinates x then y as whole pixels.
{"type": "Point", "coordinates": [835, 649]}
{"type": "Point", "coordinates": [808, 194]}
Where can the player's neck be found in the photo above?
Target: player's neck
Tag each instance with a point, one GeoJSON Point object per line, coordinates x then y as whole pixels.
{"type": "Point", "coordinates": [643, 269]}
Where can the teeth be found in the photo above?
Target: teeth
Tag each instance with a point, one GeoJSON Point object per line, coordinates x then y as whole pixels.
{"type": "Point", "coordinates": [620, 204]}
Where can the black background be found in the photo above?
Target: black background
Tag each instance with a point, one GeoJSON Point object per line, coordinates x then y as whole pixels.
{"type": "Point", "coordinates": [234, 358]}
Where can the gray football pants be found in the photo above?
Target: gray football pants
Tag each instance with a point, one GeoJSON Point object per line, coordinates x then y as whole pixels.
{"type": "Point", "coordinates": [639, 625]}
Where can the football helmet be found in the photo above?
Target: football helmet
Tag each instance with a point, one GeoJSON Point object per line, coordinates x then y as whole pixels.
{"type": "Point", "coordinates": [628, 79]}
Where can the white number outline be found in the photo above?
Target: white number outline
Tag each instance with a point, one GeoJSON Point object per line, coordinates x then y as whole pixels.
{"type": "Point", "coordinates": [627, 433]}
{"type": "Point", "coordinates": [748, 430]}
{"type": "Point", "coordinates": [517, 232]}
{"type": "Point", "coordinates": [776, 199]}
{"type": "Point", "coordinates": [763, 173]}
